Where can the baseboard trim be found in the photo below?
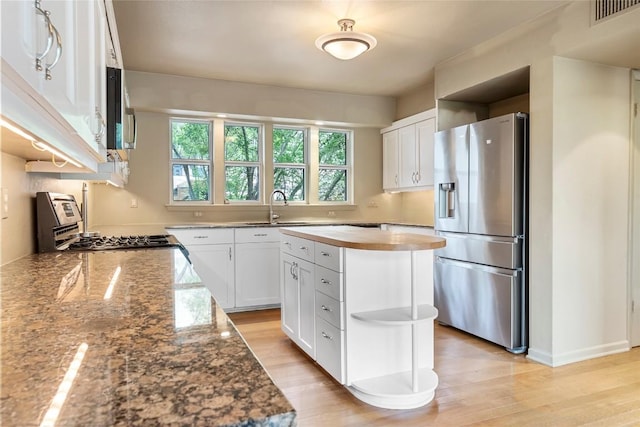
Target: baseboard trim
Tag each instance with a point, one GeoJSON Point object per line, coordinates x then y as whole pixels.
{"type": "Point", "coordinates": [574, 356]}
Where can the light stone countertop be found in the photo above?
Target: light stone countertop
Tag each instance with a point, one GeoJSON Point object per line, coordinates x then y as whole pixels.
{"type": "Point", "coordinates": [158, 351]}
{"type": "Point", "coordinates": [367, 239]}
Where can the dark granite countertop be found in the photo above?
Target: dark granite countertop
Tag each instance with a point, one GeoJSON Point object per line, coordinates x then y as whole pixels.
{"type": "Point", "coordinates": [126, 338]}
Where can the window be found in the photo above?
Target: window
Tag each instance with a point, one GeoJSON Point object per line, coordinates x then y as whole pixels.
{"type": "Point", "coordinates": [289, 162]}
{"type": "Point", "coordinates": [333, 172]}
{"type": "Point", "coordinates": [190, 160]}
{"type": "Point", "coordinates": [242, 148]}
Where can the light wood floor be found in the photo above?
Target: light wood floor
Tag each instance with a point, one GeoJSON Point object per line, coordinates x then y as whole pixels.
{"type": "Point", "coordinates": [480, 383]}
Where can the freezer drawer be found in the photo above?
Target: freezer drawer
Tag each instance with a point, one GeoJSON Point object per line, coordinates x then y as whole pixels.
{"type": "Point", "coordinates": [504, 252]}
{"type": "Point", "coordinates": [484, 301]}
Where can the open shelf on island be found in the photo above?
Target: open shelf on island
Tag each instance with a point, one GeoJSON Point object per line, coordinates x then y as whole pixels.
{"type": "Point", "coordinates": [397, 316]}
{"type": "Point", "coordinates": [395, 391]}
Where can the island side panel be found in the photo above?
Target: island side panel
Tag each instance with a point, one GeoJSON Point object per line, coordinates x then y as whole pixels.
{"type": "Point", "coordinates": [376, 280]}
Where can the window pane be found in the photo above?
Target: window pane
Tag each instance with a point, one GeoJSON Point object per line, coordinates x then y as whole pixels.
{"type": "Point", "coordinates": [189, 140]}
{"type": "Point", "coordinates": [332, 185]}
{"type": "Point", "coordinates": [333, 148]}
{"type": "Point", "coordinates": [291, 181]}
{"type": "Point", "coordinates": [190, 182]}
{"type": "Point", "coordinates": [241, 143]}
{"type": "Point", "coordinates": [288, 145]}
{"type": "Point", "coordinates": [242, 183]}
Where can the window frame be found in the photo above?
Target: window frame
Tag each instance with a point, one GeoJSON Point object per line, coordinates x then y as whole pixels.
{"type": "Point", "coordinates": [347, 167]}
{"type": "Point", "coordinates": [305, 166]}
{"type": "Point", "coordinates": [197, 162]}
{"type": "Point", "coordinates": [259, 164]}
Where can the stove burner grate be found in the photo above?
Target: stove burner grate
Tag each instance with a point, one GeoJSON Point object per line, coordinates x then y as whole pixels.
{"type": "Point", "coordinates": [96, 243]}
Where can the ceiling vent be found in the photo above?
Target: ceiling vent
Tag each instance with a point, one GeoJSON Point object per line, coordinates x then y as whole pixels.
{"type": "Point", "coordinates": [604, 9]}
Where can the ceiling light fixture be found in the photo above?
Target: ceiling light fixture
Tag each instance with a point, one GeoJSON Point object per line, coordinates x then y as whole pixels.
{"type": "Point", "coordinates": [346, 43]}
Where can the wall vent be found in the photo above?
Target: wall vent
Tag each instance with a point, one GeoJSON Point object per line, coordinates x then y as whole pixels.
{"type": "Point", "coordinates": [604, 9]}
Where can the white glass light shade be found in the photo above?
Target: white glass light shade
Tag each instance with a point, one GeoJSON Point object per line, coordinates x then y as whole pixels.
{"type": "Point", "coordinates": [346, 44]}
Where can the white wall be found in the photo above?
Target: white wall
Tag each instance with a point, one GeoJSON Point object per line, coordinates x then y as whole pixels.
{"type": "Point", "coordinates": [591, 148]}
{"type": "Point", "coordinates": [579, 148]}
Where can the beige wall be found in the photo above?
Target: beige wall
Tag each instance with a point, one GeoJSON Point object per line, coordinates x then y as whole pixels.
{"type": "Point", "coordinates": [19, 237]}
{"type": "Point", "coordinates": [579, 137]}
{"type": "Point", "coordinates": [416, 101]}
{"type": "Point", "coordinates": [149, 184]}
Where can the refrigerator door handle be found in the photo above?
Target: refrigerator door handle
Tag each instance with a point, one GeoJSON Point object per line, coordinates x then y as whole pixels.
{"type": "Point", "coordinates": [479, 267]}
{"type": "Point", "coordinates": [498, 239]}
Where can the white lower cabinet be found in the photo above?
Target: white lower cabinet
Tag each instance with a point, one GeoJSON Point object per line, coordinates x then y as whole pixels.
{"type": "Point", "coordinates": [257, 267]}
{"type": "Point", "coordinates": [239, 265]}
{"type": "Point", "coordinates": [212, 253]}
{"type": "Point", "coordinates": [214, 265]}
{"type": "Point", "coordinates": [298, 300]}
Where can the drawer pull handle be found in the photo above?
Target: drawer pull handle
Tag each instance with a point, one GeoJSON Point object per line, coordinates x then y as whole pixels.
{"type": "Point", "coordinates": [327, 336]}
{"type": "Point", "coordinates": [326, 282]}
{"type": "Point", "coordinates": [325, 308]}
{"type": "Point", "coordinates": [303, 248]}
{"type": "Point", "coordinates": [200, 237]}
{"type": "Point", "coordinates": [261, 235]}
{"type": "Point", "coordinates": [323, 253]}
{"type": "Point", "coordinates": [287, 244]}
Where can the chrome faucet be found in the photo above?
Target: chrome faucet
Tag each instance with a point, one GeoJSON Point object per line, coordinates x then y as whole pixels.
{"type": "Point", "coordinates": [274, 216]}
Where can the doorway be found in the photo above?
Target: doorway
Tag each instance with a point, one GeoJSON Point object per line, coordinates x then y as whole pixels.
{"type": "Point", "coordinates": [634, 249]}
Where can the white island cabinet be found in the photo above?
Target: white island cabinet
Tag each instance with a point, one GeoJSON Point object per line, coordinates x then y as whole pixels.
{"type": "Point", "coordinates": [373, 309]}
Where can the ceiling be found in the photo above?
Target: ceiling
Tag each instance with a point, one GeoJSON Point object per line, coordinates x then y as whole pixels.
{"type": "Point", "coordinates": [272, 42]}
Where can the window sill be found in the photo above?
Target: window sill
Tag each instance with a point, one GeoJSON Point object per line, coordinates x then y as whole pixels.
{"type": "Point", "coordinates": [202, 207]}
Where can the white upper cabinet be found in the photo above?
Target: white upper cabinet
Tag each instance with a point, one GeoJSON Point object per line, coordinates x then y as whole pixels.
{"type": "Point", "coordinates": [408, 153]}
{"type": "Point", "coordinates": [56, 72]}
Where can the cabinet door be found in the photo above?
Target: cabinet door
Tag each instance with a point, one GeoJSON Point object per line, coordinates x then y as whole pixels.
{"type": "Point", "coordinates": [407, 153]}
{"type": "Point", "coordinates": [390, 160]}
{"type": "Point", "coordinates": [306, 307]}
{"type": "Point", "coordinates": [29, 36]}
{"type": "Point", "coordinates": [425, 133]}
{"type": "Point", "coordinates": [214, 265]}
{"type": "Point", "coordinates": [257, 274]}
{"type": "Point", "coordinates": [289, 293]}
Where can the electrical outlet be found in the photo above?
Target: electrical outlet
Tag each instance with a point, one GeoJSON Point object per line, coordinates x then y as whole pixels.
{"type": "Point", "coordinates": [372, 204]}
{"type": "Point", "coordinates": [332, 213]}
{"type": "Point", "coordinates": [134, 203]}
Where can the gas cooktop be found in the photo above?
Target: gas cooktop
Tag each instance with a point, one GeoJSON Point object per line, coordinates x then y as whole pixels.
{"type": "Point", "coordinates": [97, 243]}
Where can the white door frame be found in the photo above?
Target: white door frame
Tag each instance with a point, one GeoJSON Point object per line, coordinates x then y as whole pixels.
{"type": "Point", "coordinates": [634, 223]}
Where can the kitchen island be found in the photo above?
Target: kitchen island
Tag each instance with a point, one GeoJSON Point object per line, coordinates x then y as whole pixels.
{"type": "Point", "coordinates": [127, 338]}
{"type": "Point", "coordinates": [360, 303]}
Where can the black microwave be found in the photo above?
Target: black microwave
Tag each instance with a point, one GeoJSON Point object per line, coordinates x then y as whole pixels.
{"type": "Point", "coordinates": [121, 120]}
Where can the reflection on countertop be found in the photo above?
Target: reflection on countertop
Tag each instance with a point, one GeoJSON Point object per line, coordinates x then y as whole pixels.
{"type": "Point", "coordinates": [125, 338]}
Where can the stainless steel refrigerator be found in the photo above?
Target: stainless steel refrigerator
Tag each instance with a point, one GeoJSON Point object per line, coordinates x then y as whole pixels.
{"type": "Point", "coordinates": [480, 208]}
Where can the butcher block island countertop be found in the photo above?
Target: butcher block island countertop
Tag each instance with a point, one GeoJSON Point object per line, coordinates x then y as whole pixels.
{"type": "Point", "coordinates": [126, 338]}
{"type": "Point", "coordinates": [366, 238]}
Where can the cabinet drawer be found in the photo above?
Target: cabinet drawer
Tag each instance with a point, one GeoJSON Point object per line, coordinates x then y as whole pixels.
{"type": "Point", "coordinates": [329, 309]}
{"type": "Point", "coordinates": [297, 247]}
{"type": "Point", "coordinates": [328, 256]}
{"type": "Point", "coordinates": [329, 282]}
{"type": "Point", "coordinates": [257, 234]}
{"type": "Point", "coordinates": [202, 236]}
{"type": "Point", "coordinates": [330, 349]}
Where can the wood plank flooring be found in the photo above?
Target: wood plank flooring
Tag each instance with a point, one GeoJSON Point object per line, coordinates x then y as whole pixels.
{"type": "Point", "coordinates": [480, 384]}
